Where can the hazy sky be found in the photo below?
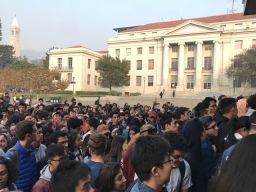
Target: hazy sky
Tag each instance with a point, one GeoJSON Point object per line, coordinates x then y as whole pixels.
{"type": "Point", "coordinates": [63, 23]}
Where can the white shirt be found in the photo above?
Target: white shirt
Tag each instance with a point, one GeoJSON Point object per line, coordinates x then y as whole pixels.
{"type": "Point", "coordinates": [175, 179]}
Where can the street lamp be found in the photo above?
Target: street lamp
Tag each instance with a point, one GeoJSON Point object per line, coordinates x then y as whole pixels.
{"type": "Point", "coordinates": [73, 82]}
{"type": "Point", "coordinates": [144, 85]}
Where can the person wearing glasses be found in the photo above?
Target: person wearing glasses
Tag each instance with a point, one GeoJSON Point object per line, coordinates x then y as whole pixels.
{"type": "Point", "coordinates": [152, 163]}
{"type": "Point", "coordinates": [180, 180]}
{"type": "Point", "coordinates": [55, 154]}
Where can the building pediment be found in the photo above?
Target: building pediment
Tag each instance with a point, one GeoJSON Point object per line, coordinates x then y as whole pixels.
{"type": "Point", "coordinates": [192, 27]}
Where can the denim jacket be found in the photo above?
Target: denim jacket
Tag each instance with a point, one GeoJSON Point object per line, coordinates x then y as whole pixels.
{"type": "Point", "coordinates": [141, 187]}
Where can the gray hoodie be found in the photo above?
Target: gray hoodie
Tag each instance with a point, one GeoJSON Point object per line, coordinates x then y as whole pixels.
{"type": "Point", "coordinates": [45, 173]}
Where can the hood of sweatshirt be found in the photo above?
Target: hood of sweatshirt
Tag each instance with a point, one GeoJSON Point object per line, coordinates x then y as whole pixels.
{"type": "Point", "coordinates": [45, 173]}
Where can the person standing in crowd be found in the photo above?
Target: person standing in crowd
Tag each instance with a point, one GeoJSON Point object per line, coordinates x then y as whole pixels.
{"type": "Point", "coordinates": [193, 131]}
{"type": "Point", "coordinates": [239, 171]}
{"type": "Point", "coordinates": [227, 108]}
{"type": "Point", "coordinates": [70, 176]}
{"type": "Point", "coordinates": [171, 125]}
{"type": "Point", "coordinates": [114, 123]}
{"type": "Point", "coordinates": [23, 155]}
{"type": "Point", "coordinates": [55, 154]}
{"type": "Point", "coordinates": [8, 175]}
{"type": "Point", "coordinates": [74, 145]}
{"type": "Point", "coordinates": [116, 150]}
{"type": "Point", "coordinates": [209, 105]}
{"type": "Point", "coordinates": [111, 178]}
{"type": "Point", "coordinates": [97, 145]}
{"type": "Point", "coordinates": [183, 115]}
{"type": "Point", "coordinates": [180, 180]}
{"type": "Point", "coordinates": [152, 163]}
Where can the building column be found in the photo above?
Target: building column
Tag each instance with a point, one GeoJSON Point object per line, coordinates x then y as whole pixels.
{"type": "Point", "coordinates": [181, 64]}
{"type": "Point", "coordinates": [166, 66]}
{"type": "Point", "coordinates": [216, 63]}
{"type": "Point", "coordinates": [198, 83]}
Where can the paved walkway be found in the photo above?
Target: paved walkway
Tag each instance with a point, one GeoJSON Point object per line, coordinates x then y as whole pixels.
{"type": "Point", "coordinates": [144, 100]}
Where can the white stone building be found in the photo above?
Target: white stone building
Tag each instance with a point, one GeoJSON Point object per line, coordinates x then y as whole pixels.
{"type": "Point", "coordinates": [190, 55]}
{"type": "Point", "coordinates": [77, 65]}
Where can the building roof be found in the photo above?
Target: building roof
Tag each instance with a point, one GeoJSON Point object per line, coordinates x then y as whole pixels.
{"type": "Point", "coordinates": [76, 46]}
{"type": "Point", "coordinates": [102, 52]}
{"type": "Point", "coordinates": [209, 19]}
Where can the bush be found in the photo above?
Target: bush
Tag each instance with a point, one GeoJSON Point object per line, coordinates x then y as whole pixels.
{"type": "Point", "coordinates": [115, 93]}
{"type": "Point", "coordinates": [135, 94]}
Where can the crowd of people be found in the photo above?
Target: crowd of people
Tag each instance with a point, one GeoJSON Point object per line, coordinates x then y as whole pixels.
{"type": "Point", "coordinates": [73, 147]}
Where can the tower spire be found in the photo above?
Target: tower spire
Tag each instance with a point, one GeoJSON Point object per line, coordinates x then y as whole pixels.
{"type": "Point", "coordinates": [14, 38]}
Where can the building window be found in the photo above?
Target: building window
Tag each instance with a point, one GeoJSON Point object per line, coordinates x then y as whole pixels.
{"type": "Point", "coordinates": [129, 64]}
{"type": "Point", "coordinates": [175, 48]}
{"type": "Point", "coordinates": [207, 63]}
{"type": "Point", "coordinates": [191, 47]}
{"type": "Point", "coordinates": [207, 82]}
{"type": "Point", "coordinates": [88, 79]}
{"type": "Point", "coordinates": [96, 64]}
{"type": "Point", "coordinates": [150, 80]}
{"type": "Point", "coordinates": [139, 64]}
{"type": "Point", "coordinates": [128, 81]}
{"type": "Point", "coordinates": [208, 47]}
{"type": "Point", "coordinates": [253, 81]}
{"type": "Point", "coordinates": [139, 50]}
{"type": "Point", "coordinates": [60, 63]}
{"type": "Point", "coordinates": [237, 81]}
{"type": "Point", "coordinates": [128, 51]}
{"type": "Point", "coordinates": [174, 64]}
{"type": "Point", "coordinates": [151, 50]}
{"type": "Point", "coordinates": [254, 43]}
{"type": "Point", "coordinates": [138, 80]}
{"type": "Point", "coordinates": [238, 44]}
{"type": "Point", "coordinates": [191, 63]}
{"type": "Point", "coordinates": [89, 63]}
{"type": "Point", "coordinates": [69, 77]}
{"type": "Point", "coordinates": [70, 62]}
{"type": "Point", "coordinates": [190, 82]}
{"type": "Point", "coordinates": [117, 52]}
{"type": "Point", "coordinates": [174, 81]}
{"type": "Point", "coordinates": [150, 64]}
{"type": "Point", "coordinates": [95, 80]}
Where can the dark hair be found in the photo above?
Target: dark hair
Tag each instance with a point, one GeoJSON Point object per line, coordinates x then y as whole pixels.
{"type": "Point", "coordinates": [252, 101]}
{"type": "Point", "coordinates": [53, 138]}
{"type": "Point", "coordinates": [226, 104]}
{"type": "Point", "coordinates": [68, 174]}
{"type": "Point", "coordinates": [12, 169]}
{"type": "Point", "coordinates": [54, 149]}
{"type": "Point", "coordinates": [176, 140]}
{"type": "Point", "coordinates": [74, 123]}
{"type": "Point", "coordinates": [252, 120]}
{"type": "Point", "coordinates": [149, 151]}
{"type": "Point", "coordinates": [115, 153]}
{"type": "Point", "coordinates": [114, 113]}
{"type": "Point", "coordinates": [206, 121]}
{"type": "Point", "coordinates": [42, 114]}
{"type": "Point", "coordinates": [8, 140]}
{"type": "Point", "coordinates": [94, 122]}
{"type": "Point", "coordinates": [206, 102]}
{"type": "Point", "coordinates": [105, 179]}
{"type": "Point", "coordinates": [134, 128]}
{"type": "Point", "coordinates": [97, 143]}
{"type": "Point", "coordinates": [180, 111]}
{"type": "Point", "coordinates": [72, 140]}
{"type": "Point", "coordinates": [239, 171]}
{"type": "Point", "coordinates": [23, 128]}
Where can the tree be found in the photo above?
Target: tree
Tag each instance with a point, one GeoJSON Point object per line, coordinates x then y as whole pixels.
{"type": "Point", "coordinates": [23, 65]}
{"type": "Point", "coordinates": [6, 55]}
{"type": "Point", "coordinates": [46, 61]}
{"type": "Point", "coordinates": [113, 72]}
{"type": "Point", "coordinates": [243, 66]}
{"type": "Point", "coordinates": [62, 84]}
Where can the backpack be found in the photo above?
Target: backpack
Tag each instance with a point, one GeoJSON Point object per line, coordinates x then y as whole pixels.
{"type": "Point", "coordinates": [182, 169]}
{"type": "Point", "coordinates": [15, 156]}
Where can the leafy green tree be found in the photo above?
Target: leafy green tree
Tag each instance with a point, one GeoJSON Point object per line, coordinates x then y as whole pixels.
{"type": "Point", "coordinates": [23, 65]}
{"type": "Point", "coordinates": [113, 72]}
{"type": "Point", "coordinates": [243, 66]}
{"type": "Point", "coordinates": [46, 61]}
{"type": "Point", "coordinates": [6, 56]}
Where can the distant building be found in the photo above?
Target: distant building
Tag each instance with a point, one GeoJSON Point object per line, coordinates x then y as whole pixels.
{"type": "Point", "coordinates": [189, 55]}
{"type": "Point", "coordinates": [77, 65]}
{"type": "Point", "coordinates": [14, 37]}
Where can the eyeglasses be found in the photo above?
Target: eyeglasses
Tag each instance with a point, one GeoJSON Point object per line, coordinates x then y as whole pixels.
{"type": "Point", "coordinates": [170, 160]}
